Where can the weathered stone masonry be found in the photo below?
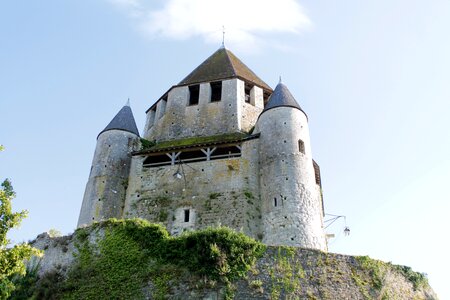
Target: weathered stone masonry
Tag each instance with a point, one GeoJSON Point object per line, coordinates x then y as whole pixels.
{"type": "Point", "coordinates": [226, 154]}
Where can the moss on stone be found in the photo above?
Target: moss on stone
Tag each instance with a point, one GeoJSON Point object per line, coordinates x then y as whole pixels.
{"type": "Point", "coordinates": [417, 279]}
{"type": "Point", "coordinates": [146, 144]}
{"type": "Point", "coordinates": [286, 274]}
{"type": "Point", "coordinates": [213, 196]}
{"type": "Point", "coordinates": [162, 216]}
{"type": "Point", "coordinates": [194, 141]}
{"type": "Point", "coordinates": [133, 259]}
{"type": "Point", "coordinates": [130, 253]}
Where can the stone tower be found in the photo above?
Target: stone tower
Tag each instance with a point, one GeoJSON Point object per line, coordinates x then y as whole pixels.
{"type": "Point", "coordinates": [291, 201]}
{"type": "Point", "coordinates": [104, 196]}
{"type": "Point", "coordinates": [222, 95]}
{"type": "Point", "coordinates": [224, 150]}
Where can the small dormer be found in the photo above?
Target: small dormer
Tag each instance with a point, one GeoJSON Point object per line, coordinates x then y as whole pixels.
{"type": "Point", "coordinates": [222, 95]}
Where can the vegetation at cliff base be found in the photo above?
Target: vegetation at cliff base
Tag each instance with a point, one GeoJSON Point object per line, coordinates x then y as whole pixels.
{"type": "Point", "coordinates": [377, 270]}
{"type": "Point", "coordinates": [131, 253]}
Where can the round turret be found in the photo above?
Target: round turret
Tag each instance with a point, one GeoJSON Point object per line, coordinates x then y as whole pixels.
{"type": "Point", "coordinates": [292, 208]}
{"type": "Point", "coordinates": [106, 188]}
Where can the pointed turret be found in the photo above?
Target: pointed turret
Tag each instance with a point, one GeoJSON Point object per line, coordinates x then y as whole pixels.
{"type": "Point", "coordinates": [124, 120]}
{"type": "Point", "coordinates": [104, 196]}
{"type": "Point", "coordinates": [290, 191]}
{"type": "Point", "coordinates": [281, 96]}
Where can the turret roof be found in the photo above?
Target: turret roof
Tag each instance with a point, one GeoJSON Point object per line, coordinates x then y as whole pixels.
{"type": "Point", "coordinates": [223, 64]}
{"type": "Point", "coordinates": [281, 96]}
{"type": "Point", "coordinates": [124, 120]}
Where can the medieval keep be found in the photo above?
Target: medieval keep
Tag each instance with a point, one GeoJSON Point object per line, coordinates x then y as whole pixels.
{"type": "Point", "coordinates": [221, 148]}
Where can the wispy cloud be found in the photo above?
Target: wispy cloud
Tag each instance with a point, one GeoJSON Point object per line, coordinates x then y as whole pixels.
{"type": "Point", "coordinates": [246, 21]}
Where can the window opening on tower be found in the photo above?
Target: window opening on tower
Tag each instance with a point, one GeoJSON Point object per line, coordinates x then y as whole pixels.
{"type": "Point", "coordinates": [194, 94]}
{"type": "Point", "coordinates": [186, 215]}
{"type": "Point", "coordinates": [301, 146]}
{"type": "Point", "coordinates": [216, 91]}
{"type": "Point", "coordinates": [248, 88]}
{"type": "Point", "coordinates": [266, 96]}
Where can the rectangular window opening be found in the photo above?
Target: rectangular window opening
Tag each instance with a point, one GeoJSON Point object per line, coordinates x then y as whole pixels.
{"type": "Point", "coordinates": [194, 94]}
{"type": "Point", "coordinates": [216, 91]}
{"type": "Point", "coordinates": [248, 89]}
{"type": "Point", "coordinates": [186, 215]}
{"type": "Point", "coordinates": [301, 146]}
{"type": "Point", "coordinates": [266, 96]}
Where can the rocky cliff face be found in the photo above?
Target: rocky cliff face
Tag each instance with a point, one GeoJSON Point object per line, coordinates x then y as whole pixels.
{"type": "Point", "coordinates": [103, 260]}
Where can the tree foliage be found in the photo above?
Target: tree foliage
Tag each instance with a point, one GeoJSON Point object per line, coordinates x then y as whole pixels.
{"type": "Point", "coordinates": [11, 259]}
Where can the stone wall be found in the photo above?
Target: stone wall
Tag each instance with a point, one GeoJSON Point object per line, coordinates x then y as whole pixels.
{"type": "Point", "coordinates": [218, 192]}
{"type": "Point", "coordinates": [181, 120]}
{"type": "Point", "coordinates": [176, 119]}
{"type": "Point", "coordinates": [282, 273]}
{"type": "Point", "coordinates": [248, 112]}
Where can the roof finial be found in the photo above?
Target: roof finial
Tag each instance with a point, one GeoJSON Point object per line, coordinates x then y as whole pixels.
{"type": "Point", "coordinates": [280, 80]}
{"type": "Point", "coordinates": [128, 102]}
{"type": "Point", "coordinates": [223, 36]}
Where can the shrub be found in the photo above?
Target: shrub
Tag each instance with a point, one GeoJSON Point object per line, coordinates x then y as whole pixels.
{"type": "Point", "coordinates": [133, 251]}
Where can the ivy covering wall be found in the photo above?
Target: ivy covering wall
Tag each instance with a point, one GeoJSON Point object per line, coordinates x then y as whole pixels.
{"type": "Point", "coordinates": [134, 259]}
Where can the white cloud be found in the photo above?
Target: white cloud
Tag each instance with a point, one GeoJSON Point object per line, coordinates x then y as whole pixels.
{"type": "Point", "coordinates": [245, 21]}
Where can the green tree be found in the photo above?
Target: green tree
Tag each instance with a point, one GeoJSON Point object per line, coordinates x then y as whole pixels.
{"type": "Point", "coordinates": [11, 259]}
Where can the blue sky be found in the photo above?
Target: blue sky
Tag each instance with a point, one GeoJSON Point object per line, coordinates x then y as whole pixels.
{"type": "Point", "coordinates": [373, 76]}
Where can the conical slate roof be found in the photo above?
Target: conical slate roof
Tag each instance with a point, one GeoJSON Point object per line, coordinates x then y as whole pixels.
{"type": "Point", "coordinates": [281, 96]}
{"type": "Point", "coordinates": [124, 120]}
{"type": "Point", "coordinates": [223, 64]}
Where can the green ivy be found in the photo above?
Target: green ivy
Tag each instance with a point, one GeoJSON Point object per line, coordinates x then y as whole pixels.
{"type": "Point", "coordinates": [133, 252]}
{"type": "Point", "coordinates": [213, 196]}
{"type": "Point", "coordinates": [146, 144]}
{"type": "Point", "coordinates": [286, 274]}
{"type": "Point", "coordinates": [376, 269]}
{"type": "Point", "coordinates": [417, 279]}
{"type": "Point", "coordinates": [113, 269]}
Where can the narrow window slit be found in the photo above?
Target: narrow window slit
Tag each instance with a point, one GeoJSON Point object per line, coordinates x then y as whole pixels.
{"type": "Point", "coordinates": [301, 146]}
{"type": "Point", "coordinates": [186, 215]}
{"type": "Point", "coordinates": [248, 89]}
